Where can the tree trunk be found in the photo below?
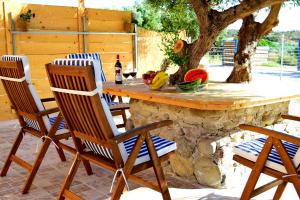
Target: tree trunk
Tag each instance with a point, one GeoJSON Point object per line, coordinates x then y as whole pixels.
{"type": "Point", "coordinates": [249, 35]}
{"type": "Point", "coordinates": [248, 38]}
{"type": "Point", "coordinates": [195, 52]}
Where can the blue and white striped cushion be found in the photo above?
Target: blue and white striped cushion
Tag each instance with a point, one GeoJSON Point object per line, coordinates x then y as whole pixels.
{"type": "Point", "coordinates": [162, 147]}
{"type": "Point", "coordinates": [32, 124]}
{"type": "Point", "coordinates": [250, 150]}
{"type": "Point", "coordinates": [96, 58]}
{"type": "Point", "coordinates": [61, 125]}
{"type": "Point", "coordinates": [25, 64]}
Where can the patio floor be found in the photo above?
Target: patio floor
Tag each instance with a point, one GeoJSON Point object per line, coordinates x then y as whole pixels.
{"type": "Point", "coordinates": [52, 172]}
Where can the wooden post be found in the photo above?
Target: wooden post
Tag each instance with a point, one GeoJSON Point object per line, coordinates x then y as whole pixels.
{"type": "Point", "coordinates": [298, 54]}
{"type": "Point", "coordinates": [80, 14]}
{"type": "Point", "coordinates": [7, 16]}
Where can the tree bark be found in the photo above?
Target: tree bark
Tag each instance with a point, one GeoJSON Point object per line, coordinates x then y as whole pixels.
{"type": "Point", "coordinates": [249, 35]}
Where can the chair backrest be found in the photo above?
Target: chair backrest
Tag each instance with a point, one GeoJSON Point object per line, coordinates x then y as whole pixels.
{"type": "Point", "coordinates": [15, 75]}
{"type": "Point", "coordinates": [97, 59]}
{"type": "Point", "coordinates": [77, 87]}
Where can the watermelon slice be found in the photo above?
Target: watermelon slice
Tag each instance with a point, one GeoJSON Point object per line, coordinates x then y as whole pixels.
{"type": "Point", "coordinates": [195, 74]}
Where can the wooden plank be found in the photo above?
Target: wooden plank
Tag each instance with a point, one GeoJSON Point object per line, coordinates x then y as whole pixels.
{"type": "Point", "coordinates": [216, 96]}
{"type": "Point", "coordinates": [108, 15]}
{"type": "Point", "coordinates": [109, 48]}
{"type": "Point", "coordinates": [105, 26]}
{"type": "Point", "coordinates": [36, 48]}
{"type": "Point", "coordinates": [111, 58]}
{"type": "Point", "coordinates": [2, 42]}
{"type": "Point", "coordinates": [49, 17]}
{"type": "Point", "coordinates": [110, 38]}
{"type": "Point", "coordinates": [47, 38]}
{"type": "Point", "coordinates": [1, 14]}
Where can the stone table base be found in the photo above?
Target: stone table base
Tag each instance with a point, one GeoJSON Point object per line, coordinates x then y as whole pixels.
{"type": "Point", "coordinates": [205, 137]}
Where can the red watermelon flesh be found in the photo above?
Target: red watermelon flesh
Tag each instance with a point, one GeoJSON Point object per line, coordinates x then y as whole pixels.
{"type": "Point", "coordinates": [195, 74]}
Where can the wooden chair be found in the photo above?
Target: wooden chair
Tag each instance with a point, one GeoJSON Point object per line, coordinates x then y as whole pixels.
{"type": "Point", "coordinates": [33, 117]}
{"type": "Point", "coordinates": [277, 155]}
{"type": "Point", "coordinates": [117, 108]}
{"type": "Point", "coordinates": [78, 92]}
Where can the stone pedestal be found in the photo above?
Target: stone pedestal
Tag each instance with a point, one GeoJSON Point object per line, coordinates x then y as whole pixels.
{"type": "Point", "coordinates": [205, 137]}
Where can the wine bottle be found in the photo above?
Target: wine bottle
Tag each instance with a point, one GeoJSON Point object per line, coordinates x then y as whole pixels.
{"type": "Point", "coordinates": [118, 68]}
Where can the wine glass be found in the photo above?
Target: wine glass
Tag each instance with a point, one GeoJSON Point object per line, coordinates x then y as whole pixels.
{"type": "Point", "coordinates": [133, 73]}
{"type": "Point", "coordinates": [126, 74]}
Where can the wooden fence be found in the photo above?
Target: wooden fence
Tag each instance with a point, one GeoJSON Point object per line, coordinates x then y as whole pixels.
{"type": "Point", "coordinates": [230, 47]}
{"type": "Point", "coordinates": [32, 40]}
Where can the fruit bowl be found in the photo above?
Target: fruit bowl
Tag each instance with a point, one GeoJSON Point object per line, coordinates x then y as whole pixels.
{"type": "Point", "coordinates": [190, 86]}
{"type": "Point", "coordinates": [155, 80]}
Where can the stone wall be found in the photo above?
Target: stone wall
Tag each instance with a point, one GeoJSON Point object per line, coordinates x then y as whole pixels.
{"type": "Point", "coordinates": [205, 137]}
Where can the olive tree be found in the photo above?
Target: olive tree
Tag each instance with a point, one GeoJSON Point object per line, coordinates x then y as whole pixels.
{"type": "Point", "coordinates": [213, 16]}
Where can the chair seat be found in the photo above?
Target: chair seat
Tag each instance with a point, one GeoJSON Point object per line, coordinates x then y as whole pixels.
{"type": "Point", "coordinates": [162, 147]}
{"type": "Point", "coordinates": [117, 105]}
{"type": "Point", "coordinates": [250, 150]}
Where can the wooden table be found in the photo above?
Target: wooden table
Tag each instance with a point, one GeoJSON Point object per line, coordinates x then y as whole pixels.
{"type": "Point", "coordinates": [206, 123]}
{"type": "Point", "coordinates": [216, 96]}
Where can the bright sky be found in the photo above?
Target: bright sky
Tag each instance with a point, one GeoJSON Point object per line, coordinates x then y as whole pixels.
{"type": "Point", "coordinates": [288, 18]}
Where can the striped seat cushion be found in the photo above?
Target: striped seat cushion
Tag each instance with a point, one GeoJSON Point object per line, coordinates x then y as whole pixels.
{"type": "Point", "coordinates": [162, 147]}
{"type": "Point", "coordinates": [62, 124]}
{"type": "Point", "coordinates": [33, 124]}
{"type": "Point", "coordinates": [250, 150]}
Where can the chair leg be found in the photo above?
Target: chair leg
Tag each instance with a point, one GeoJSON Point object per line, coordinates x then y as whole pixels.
{"type": "Point", "coordinates": [279, 191]}
{"type": "Point", "coordinates": [256, 170]}
{"type": "Point", "coordinates": [119, 187]}
{"type": "Point", "coordinates": [12, 152]}
{"type": "Point", "coordinates": [124, 117]}
{"type": "Point", "coordinates": [36, 165]}
{"type": "Point", "coordinates": [60, 152]}
{"type": "Point", "coordinates": [70, 177]}
{"type": "Point", "coordinates": [158, 169]}
{"type": "Point", "coordinates": [87, 167]}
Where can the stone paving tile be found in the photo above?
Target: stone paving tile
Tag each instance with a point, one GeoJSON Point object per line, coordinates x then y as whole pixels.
{"type": "Point", "coordinates": [52, 172]}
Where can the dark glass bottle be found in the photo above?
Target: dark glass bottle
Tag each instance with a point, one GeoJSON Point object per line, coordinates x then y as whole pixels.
{"type": "Point", "coordinates": [118, 68]}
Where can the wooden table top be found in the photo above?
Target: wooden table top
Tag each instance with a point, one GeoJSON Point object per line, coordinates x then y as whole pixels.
{"type": "Point", "coordinates": [216, 96]}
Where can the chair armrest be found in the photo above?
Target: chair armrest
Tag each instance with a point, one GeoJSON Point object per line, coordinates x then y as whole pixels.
{"type": "Point", "coordinates": [119, 107]}
{"type": "Point", "coordinates": [141, 130]}
{"type": "Point", "coordinates": [291, 117]}
{"type": "Point", "coordinates": [48, 99]}
{"type": "Point", "coordinates": [48, 111]}
{"type": "Point", "coordinates": [271, 133]}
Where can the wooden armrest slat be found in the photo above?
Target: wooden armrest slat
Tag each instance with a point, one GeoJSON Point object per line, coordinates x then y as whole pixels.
{"type": "Point", "coordinates": [48, 111]}
{"type": "Point", "coordinates": [48, 99]}
{"type": "Point", "coordinates": [141, 130]}
{"type": "Point", "coordinates": [271, 133]}
{"type": "Point", "coordinates": [291, 117]}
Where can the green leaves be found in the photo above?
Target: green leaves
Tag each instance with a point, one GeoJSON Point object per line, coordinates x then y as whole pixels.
{"type": "Point", "coordinates": [168, 41]}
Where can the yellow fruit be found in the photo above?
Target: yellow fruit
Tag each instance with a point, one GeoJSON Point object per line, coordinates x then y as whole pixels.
{"type": "Point", "coordinates": [159, 80]}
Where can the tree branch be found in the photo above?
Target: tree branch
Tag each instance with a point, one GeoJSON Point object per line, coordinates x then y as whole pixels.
{"type": "Point", "coordinates": [201, 9]}
{"type": "Point", "coordinates": [245, 8]}
{"type": "Point", "coordinates": [271, 21]}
